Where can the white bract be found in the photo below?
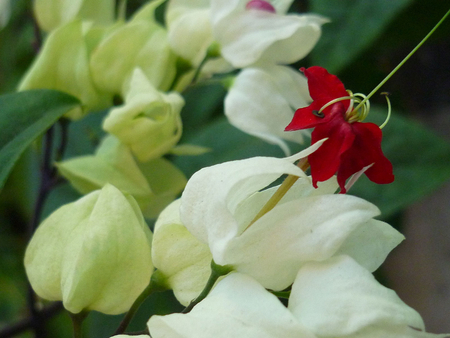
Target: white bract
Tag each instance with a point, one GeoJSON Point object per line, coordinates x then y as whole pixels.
{"type": "Point", "coordinates": [182, 260]}
{"type": "Point", "coordinates": [308, 224]}
{"type": "Point", "coordinates": [262, 100]}
{"type": "Point", "coordinates": [237, 307]}
{"type": "Point", "coordinates": [340, 299]}
{"type": "Point", "coordinates": [245, 36]}
{"type": "Point", "coordinates": [336, 298]}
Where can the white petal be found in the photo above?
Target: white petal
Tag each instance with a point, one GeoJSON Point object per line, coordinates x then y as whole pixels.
{"type": "Point", "coordinates": [237, 307]}
{"type": "Point", "coordinates": [370, 244]}
{"type": "Point", "coordinates": [252, 36]}
{"type": "Point", "coordinates": [273, 249]}
{"type": "Point", "coordinates": [339, 298]}
{"type": "Point", "coordinates": [213, 194]}
{"type": "Point", "coordinates": [262, 102]}
{"type": "Point", "coordinates": [180, 257]}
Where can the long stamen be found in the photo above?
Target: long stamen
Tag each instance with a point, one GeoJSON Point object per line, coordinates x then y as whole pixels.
{"type": "Point", "coordinates": [402, 62]}
{"type": "Point", "coordinates": [335, 101]}
{"type": "Point", "coordinates": [351, 114]}
{"type": "Point", "coordinates": [386, 95]}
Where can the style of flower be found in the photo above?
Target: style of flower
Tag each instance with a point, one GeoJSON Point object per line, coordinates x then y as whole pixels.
{"type": "Point", "coordinates": [352, 147]}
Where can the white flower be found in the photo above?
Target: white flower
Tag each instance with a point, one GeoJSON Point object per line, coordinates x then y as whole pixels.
{"type": "Point", "coordinates": [340, 299]}
{"type": "Point", "coordinates": [245, 36]}
{"type": "Point", "coordinates": [308, 224]}
{"type": "Point", "coordinates": [262, 101]}
{"type": "Point", "coordinates": [237, 307]}
{"type": "Point", "coordinates": [336, 298]}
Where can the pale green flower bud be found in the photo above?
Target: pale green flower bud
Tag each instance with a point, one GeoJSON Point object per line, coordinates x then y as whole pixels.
{"type": "Point", "coordinates": [92, 254]}
{"type": "Point", "coordinates": [51, 14]}
{"type": "Point", "coordinates": [142, 43]}
{"type": "Point", "coordinates": [63, 65]}
{"type": "Point", "coordinates": [154, 184]}
{"type": "Point", "coordinates": [180, 258]}
{"type": "Point", "coordinates": [149, 122]}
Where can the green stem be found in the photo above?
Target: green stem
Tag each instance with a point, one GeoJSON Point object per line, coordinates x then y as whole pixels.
{"type": "Point", "coordinates": [122, 10]}
{"type": "Point", "coordinates": [281, 191]}
{"type": "Point", "coordinates": [403, 61]}
{"type": "Point", "coordinates": [77, 322]}
{"type": "Point", "coordinates": [156, 285]}
{"type": "Point", "coordinates": [216, 272]}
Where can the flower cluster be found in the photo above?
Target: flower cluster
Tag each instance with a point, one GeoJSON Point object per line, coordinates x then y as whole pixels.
{"type": "Point", "coordinates": [237, 238]}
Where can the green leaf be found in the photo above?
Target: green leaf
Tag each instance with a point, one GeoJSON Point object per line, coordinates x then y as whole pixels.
{"type": "Point", "coordinates": [420, 161]}
{"type": "Point", "coordinates": [227, 143]}
{"type": "Point", "coordinates": [355, 24]}
{"type": "Point", "coordinates": [23, 117]}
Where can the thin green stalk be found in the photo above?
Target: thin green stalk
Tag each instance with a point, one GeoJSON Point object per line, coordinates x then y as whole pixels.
{"type": "Point", "coordinates": [281, 191]}
{"type": "Point", "coordinates": [403, 61]}
{"type": "Point", "coordinates": [156, 285]}
{"type": "Point", "coordinates": [122, 10]}
{"type": "Point", "coordinates": [216, 272]}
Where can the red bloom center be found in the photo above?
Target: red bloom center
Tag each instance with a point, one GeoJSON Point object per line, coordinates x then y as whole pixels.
{"type": "Point", "coordinates": [260, 5]}
{"type": "Point", "coordinates": [351, 146]}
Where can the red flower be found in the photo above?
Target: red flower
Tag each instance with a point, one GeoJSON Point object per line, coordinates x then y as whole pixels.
{"type": "Point", "coordinates": [351, 145]}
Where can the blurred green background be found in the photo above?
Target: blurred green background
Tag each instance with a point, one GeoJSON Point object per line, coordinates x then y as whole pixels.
{"type": "Point", "coordinates": [363, 42]}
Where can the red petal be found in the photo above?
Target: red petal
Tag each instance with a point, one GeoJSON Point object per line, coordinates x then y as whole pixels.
{"type": "Point", "coordinates": [323, 86]}
{"type": "Point", "coordinates": [304, 118]}
{"type": "Point", "coordinates": [366, 149]}
{"type": "Point", "coordinates": [326, 160]}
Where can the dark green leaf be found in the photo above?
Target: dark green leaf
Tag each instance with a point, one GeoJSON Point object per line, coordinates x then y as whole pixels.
{"type": "Point", "coordinates": [227, 143]}
{"type": "Point", "coordinates": [23, 117]}
{"type": "Point", "coordinates": [354, 25]}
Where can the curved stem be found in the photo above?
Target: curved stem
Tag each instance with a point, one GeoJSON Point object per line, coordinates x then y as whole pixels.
{"type": "Point", "coordinates": [403, 61]}
{"type": "Point", "coordinates": [216, 272]}
{"type": "Point", "coordinates": [156, 285]}
{"type": "Point", "coordinates": [389, 110]}
{"type": "Point", "coordinates": [281, 191]}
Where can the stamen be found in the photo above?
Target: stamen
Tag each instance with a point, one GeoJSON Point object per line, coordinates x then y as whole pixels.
{"type": "Point", "coordinates": [335, 101]}
{"type": "Point", "coordinates": [386, 95]}
{"type": "Point", "coordinates": [351, 115]}
{"type": "Point", "coordinates": [318, 114]}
